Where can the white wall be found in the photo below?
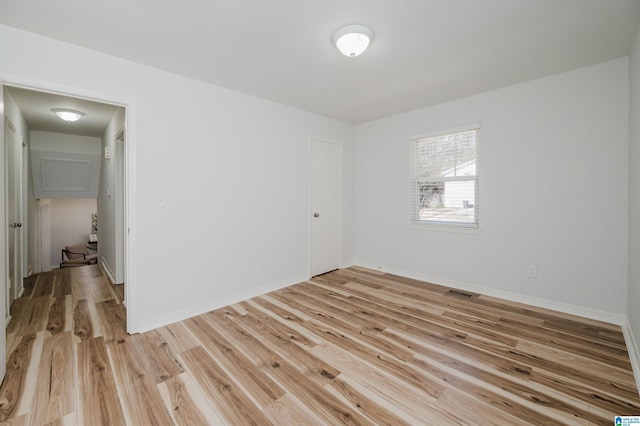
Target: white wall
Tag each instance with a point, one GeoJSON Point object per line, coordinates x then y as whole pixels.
{"type": "Point", "coordinates": [107, 228]}
{"type": "Point", "coordinates": [33, 253]}
{"type": "Point", "coordinates": [633, 295]}
{"type": "Point", "coordinates": [70, 224]}
{"type": "Point", "coordinates": [65, 143]}
{"type": "Point", "coordinates": [232, 168]}
{"type": "Point", "coordinates": [65, 166]}
{"type": "Point", "coordinates": [553, 191]}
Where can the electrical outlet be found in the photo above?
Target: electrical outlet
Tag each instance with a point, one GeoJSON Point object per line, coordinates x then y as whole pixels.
{"type": "Point", "coordinates": [532, 271]}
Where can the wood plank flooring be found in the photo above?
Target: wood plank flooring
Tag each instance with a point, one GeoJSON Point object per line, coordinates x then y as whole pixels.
{"type": "Point", "coordinates": [352, 346]}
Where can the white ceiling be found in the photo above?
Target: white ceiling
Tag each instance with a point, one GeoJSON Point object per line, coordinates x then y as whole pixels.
{"type": "Point", "coordinates": [36, 108]}
{"type": "Point", "coordinates": [424, 51]}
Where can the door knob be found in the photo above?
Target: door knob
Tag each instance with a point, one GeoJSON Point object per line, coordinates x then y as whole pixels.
{"type": "Point", "coordinates": [16, 225]}
{"type": "Point", "coordinates": [316, 215]}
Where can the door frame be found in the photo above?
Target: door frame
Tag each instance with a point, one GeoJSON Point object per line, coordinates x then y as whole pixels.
{"type": "Point", "coordinates": [3, 242]}
{"type": "Point", "coordinates": [119, 147]}
{"type": "Point", "coordinates": [130, 206]}
{"type": "Point", "coordinates": [340, 199]}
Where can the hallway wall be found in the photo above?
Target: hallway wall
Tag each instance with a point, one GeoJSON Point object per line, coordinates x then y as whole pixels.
{"type": "Point", "coordinates": [70, 224]}
{"type": "Point", "coordinates": [109, 230]}
{"type": "Point", "coordinates": [633, 290]}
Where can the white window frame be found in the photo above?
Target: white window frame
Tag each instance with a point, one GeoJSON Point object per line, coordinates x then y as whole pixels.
{"type": "Point", "coordinates": [441, 225]}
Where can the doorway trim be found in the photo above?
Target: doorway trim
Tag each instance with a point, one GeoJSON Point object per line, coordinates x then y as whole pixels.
{"type": "Point", "coordinates": [130, 207]}
{"type": "Point", "coordinates": [119, 146]}
{"type": "Point", "coordinates": [4, 254]}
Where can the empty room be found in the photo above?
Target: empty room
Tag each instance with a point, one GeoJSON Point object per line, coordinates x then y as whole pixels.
{"type": "Point", "coordinates": [320, 212]}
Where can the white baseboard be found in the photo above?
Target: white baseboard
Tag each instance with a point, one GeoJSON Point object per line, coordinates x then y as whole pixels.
{"type": "Point", "coordinates": [595, 314]}
{"type": "Point", "coordinates": [217, 303]}
{"type": "Point", "coordinates": [632, 349]}
{"type": "Point", "coordinates": [104, 265]}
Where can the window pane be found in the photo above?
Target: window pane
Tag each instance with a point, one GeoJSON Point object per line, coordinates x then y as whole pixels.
{"type": "Point", "coordinates": [445, 156]}
{"type": "Point", "coordinates": [447, 201]}
{"type": "Point", "coordinates": [445, 179]}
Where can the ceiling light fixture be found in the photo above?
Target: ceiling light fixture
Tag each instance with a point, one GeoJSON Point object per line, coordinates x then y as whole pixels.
{"type": "Point", "coordinates": [68, 114]}
{"type": "Point", "coordinates": [353, 40]}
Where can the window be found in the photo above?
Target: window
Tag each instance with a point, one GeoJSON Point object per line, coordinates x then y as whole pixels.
{"type": "Point", "coordinates": [444, 179]}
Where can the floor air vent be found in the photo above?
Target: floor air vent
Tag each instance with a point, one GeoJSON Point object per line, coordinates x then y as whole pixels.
{"type": "Point", "coordinates": [459, 293]}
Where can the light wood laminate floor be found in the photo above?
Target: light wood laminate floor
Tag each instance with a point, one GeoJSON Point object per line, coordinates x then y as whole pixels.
{"type": "Point", "coordinates": [352, 346]}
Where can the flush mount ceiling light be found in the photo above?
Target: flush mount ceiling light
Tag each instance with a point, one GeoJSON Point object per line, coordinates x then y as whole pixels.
{"type": "Point", "coordinates": [68, 114]}
{"type": "Point", "coordinates": [353, 40]}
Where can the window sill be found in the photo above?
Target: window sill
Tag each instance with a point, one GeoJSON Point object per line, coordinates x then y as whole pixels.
{"type": "Point", "coordinates": [445, 228]}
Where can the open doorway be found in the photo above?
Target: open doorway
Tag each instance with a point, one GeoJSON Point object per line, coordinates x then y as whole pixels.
{"type": "Point", "coordinates": [67, 161]}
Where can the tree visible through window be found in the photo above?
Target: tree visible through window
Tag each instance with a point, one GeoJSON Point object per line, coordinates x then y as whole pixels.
{"type": "Point", "coordinates": [444, 179]}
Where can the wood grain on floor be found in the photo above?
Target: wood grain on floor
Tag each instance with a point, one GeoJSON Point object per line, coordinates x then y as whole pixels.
{"type": "Point", "coordinates": [352, 346]}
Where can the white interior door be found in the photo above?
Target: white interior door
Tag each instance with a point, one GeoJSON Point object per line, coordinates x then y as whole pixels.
{"type": "Point", "coordinates": [326, 206]}
{"type": "Point", "coordinates": [14, 210]}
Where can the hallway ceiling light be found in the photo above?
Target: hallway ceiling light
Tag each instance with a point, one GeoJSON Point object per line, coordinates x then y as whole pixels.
{"type": "Point", "coordinates": [353, 40]}
{"type": "Point", "coordinates": [68, 114]}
